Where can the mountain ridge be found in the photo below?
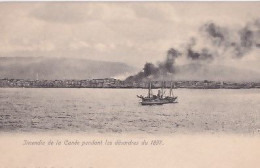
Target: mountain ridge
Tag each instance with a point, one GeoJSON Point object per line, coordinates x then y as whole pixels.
{"type": "Point", "coordinates": [50, 68]}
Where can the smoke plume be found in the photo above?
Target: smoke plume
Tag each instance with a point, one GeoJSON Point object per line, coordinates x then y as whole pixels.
{"type": "Point", "coordinates": [212, 42]}
{"type": "Point", "coordinates": [163, 69]}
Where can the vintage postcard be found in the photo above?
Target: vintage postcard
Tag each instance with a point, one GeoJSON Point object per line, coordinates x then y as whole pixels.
{"type": "Point", "coordinates": [129, 84]}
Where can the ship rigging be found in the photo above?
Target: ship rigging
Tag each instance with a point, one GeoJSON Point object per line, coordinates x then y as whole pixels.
{"type": "Point", "coordinates": [158, 99]}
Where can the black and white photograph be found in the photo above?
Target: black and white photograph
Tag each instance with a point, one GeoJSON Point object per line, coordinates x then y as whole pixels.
{"type": "Point", "coordinates": [130, 68]}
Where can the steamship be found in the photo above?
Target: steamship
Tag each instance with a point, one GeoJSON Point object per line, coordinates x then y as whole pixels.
{"type": "Point", "coordinates": [158, 99]}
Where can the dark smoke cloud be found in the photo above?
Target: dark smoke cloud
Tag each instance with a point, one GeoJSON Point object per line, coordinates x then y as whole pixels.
{"type": "Point", "coordinates": [168, 65]}
{"type": "Point", "coordinates": [218, 41]}
{"type": "Point", "coordinates": [163, 69]}
{"type": "Point", "coordinates": [215, 33]}
{"type": "Point", "coordinates": [249, 38]}
{"type": "Point", "coordinates": [220, 37]}
{"type": "Point", "coordinates": [204, 54]}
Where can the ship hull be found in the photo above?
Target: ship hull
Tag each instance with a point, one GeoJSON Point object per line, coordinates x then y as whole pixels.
{"type": "Point", "coordinates": [167, 100]}
{"type": "Point", "coordinates": [151, 103]}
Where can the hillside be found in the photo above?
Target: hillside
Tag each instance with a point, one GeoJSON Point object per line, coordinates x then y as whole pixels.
{"type": "Point", "coordinates": [59, 68]}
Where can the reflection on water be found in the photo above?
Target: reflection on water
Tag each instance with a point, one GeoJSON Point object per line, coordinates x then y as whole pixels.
{"type": "Point", "coordinates": [118, 111]}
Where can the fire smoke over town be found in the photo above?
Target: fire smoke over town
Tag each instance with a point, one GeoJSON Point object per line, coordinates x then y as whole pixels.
{"type": "Point", "coordinates": [212, 43]}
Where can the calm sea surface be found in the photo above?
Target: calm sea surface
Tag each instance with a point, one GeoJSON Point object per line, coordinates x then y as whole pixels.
{"type": "Point", "coordinates": [118, 111]}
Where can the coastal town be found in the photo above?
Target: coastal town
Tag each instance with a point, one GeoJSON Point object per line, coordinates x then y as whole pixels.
{"type": "Point", "coordinates": [116, 83]}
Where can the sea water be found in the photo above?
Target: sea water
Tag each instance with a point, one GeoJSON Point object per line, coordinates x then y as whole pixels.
{"type": "Point", "coordinates": [119, 111]}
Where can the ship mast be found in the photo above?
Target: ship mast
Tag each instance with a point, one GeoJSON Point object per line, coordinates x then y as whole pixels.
{"type": "Point", "coordinates": [171, 90]}
{"type": "Point", "coordinates": [150, 87]}
{"type": "Point", "coordinates": [162, 88]}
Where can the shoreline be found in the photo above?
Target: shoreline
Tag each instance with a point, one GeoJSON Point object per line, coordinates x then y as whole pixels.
{"type": "Point", "coordinates": [124, 88]}
{"type": "Point", "coordinates": [112, 83]}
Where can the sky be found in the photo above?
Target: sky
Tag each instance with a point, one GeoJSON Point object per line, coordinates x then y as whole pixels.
{"type": "Point", "coordinates": [128, 32]}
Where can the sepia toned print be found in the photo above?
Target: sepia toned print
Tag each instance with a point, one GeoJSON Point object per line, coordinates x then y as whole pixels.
{"type": "Point", "coordinates": [129, 84]}
{"type": "Point", "coordinates": [130, 68]}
